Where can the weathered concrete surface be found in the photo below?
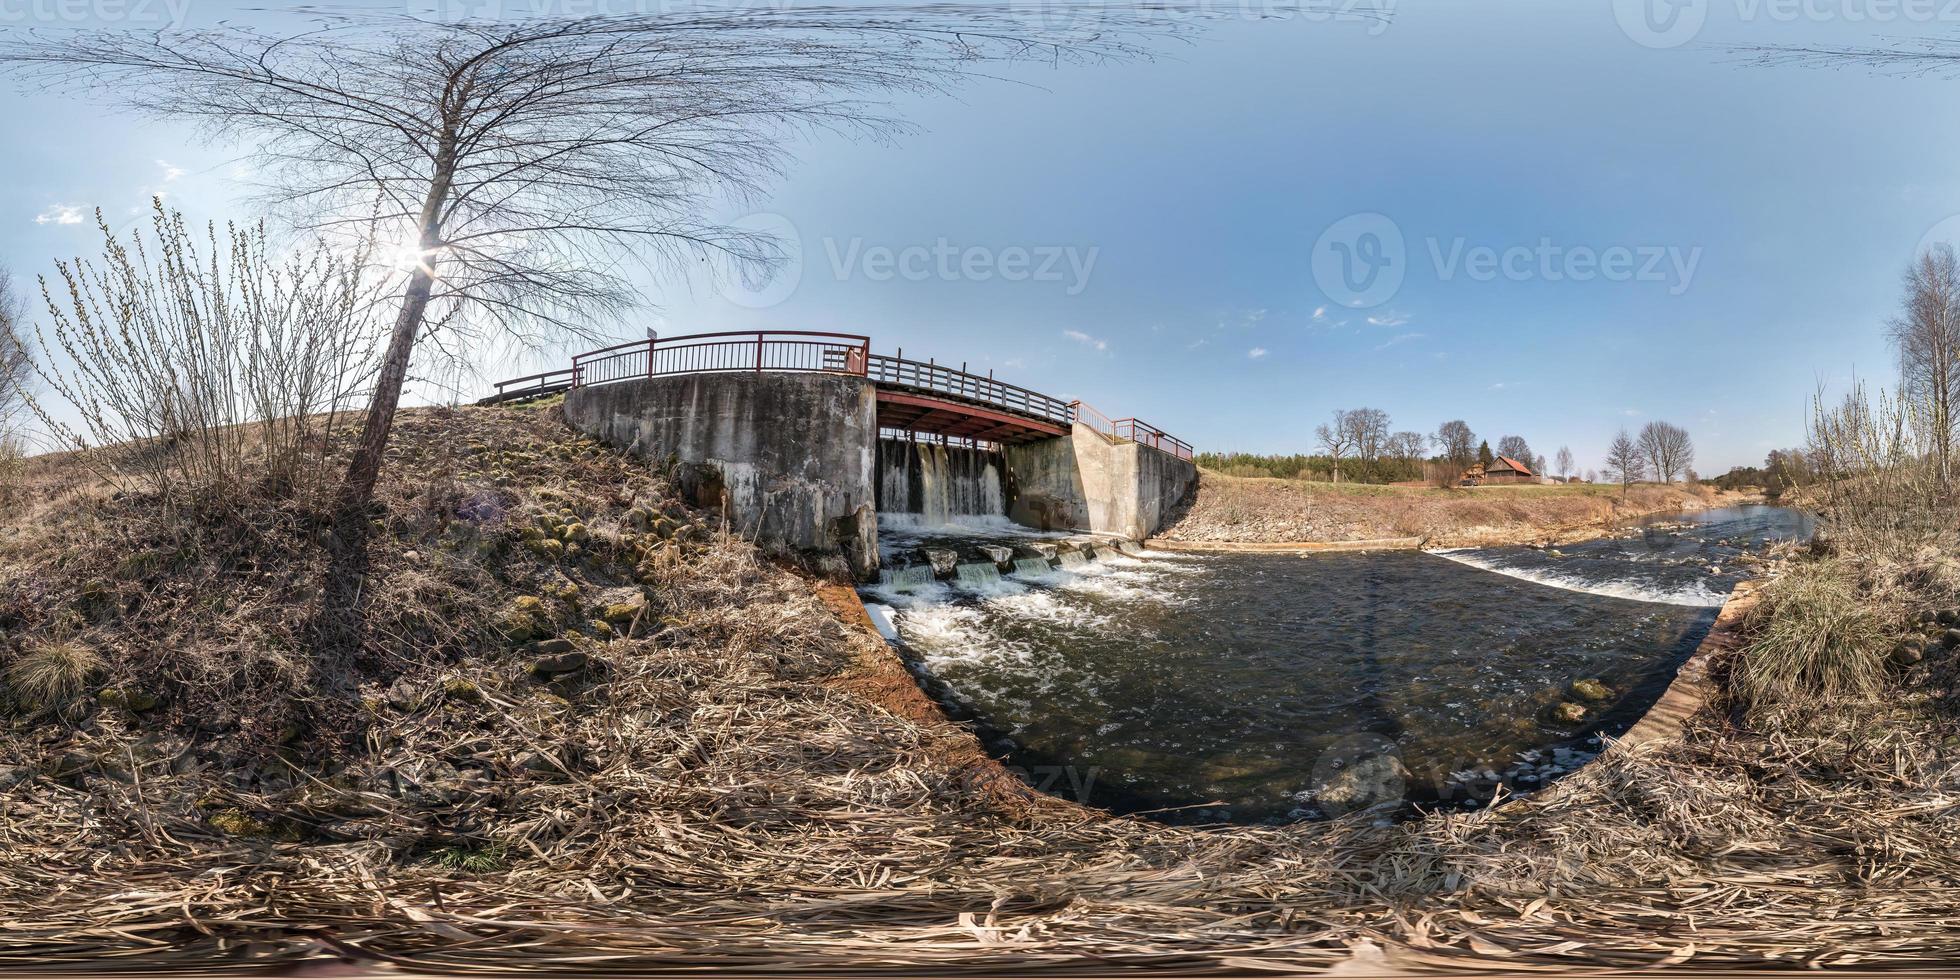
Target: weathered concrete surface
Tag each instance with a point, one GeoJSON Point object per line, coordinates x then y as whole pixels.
{"type": "Point", "coordinates": [1085, 482]}
{"type": "Point", "coordinates": [788, 456]}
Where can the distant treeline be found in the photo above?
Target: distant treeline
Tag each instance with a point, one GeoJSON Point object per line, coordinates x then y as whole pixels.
{"type": "Point", "coordinates": [1319, 467]}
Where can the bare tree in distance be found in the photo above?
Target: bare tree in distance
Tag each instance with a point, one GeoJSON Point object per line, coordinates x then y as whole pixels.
{"type": "Point", "coordinates": [1667, 449]}
{"type": "Point", "coordinates": [1927, 335]}
{"type": "Point", "coordinates": [1336, 439]}
{"type": "Point", "coordinates": [1408, 448]}
{"type": "Point", "coordinates": [15, 364]}
{"type": "Point", "coordinates": [1563, 461]}
{"type": "Point", "coordinates": [1457, 445]}
{"type": "Point", "coordinates": [1625, 463]}
{"type": "Point", "coordinates": [16, 368]}
{"type": "Point", "coordinates": [528, 167]}
{"type": "Point", "coordinates": [1516, 448]}
{"type": "Point", "coordinates": [1368, 433]}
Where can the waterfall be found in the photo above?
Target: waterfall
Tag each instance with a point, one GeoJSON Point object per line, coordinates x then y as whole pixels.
{"type": "Point", "coordinates": [979, 574]}
{"type": "Point", "coordinates": [1032, 566]}
{"type": "Point", "coordinates": [900, 579]}
{"type": "Point", "coordinates": [1072, 559]}
{"type": "Point", "coordinates": [940, 484]}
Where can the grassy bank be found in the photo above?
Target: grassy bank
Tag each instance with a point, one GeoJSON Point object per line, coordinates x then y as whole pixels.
{"type": "Point", "coordinates": [584, 729]}
{"type": "Point", "coordinates": [1255, 509]}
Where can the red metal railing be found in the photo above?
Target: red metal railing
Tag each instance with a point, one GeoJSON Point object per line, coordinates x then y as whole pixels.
{"type": "Point", "coordinates": [701, 353]}
{"type": "Point", "coordinates": [817, 351]}
{"type": "Point", "coordinates": [940, 380]}
{"type": "Point", "coordinates": [1130, 430]}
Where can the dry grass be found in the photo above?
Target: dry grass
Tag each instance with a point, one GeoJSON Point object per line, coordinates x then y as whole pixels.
{"type": "Point", "coordinates": [707, 794]}
{"type": "Point", "coordinates": [1817, 637]}
{"type": "Point", "coordinates": [50, 673]}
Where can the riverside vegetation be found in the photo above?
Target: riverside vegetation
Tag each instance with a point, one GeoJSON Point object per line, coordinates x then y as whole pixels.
{"type": "Point", "coordinates": [529, 710]}
{"type": "Point", "coordinates": [586, 726]}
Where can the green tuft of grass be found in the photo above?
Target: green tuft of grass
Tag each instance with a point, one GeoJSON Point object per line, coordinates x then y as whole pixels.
{"type": "Point", "coordinates": [488, 859]}
{"type": "Point", "coordinates": [51, 673]}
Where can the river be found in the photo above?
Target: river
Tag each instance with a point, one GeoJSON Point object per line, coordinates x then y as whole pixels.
{"type": "Point", "coordinates": [1216, 688]}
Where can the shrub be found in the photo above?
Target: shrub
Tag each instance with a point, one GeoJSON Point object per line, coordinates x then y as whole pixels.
{"type": "Point", "coordinates": [204, 374]}
{"type": "Point", "coordinates": [52, 672]}
{"type": "Point", "coordinates": [1818, 638]}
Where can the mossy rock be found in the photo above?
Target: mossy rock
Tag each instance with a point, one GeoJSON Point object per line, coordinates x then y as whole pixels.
{"type": "Point", "coordinates": [461, 689]}
{"type": "Point", "coordinates": [525, 619]}
{"type": "Point", "coordinates": [1567, 712]}
{"type": "Point", "coordinates": [547, 548]}
{"type": "Point", "coordinates": [533, 533]}
{"type": "Point", "coordinates": [625, 612]}
{"type": "Point", "coordinates": [1591, 689]}
{"type": "Point", "coordinates": [575, 532]}
{"type": "Point", "coordinates": [128, 699]}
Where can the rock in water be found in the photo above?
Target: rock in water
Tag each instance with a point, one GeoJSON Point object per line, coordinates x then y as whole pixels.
{"type": "Point", "coordinates": [943, 561]}
{"type": "Point", "coordinates": [1002, 557]}
{"type": "Point", "coordinates": [1362, 783]}
{"type": "Point", "coordinates": [1591, 690]}
{"type": "Point", "coordinates": [1566, 711]}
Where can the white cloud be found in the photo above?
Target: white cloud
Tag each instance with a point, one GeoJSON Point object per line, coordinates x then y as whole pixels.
{"type": "Point", "coordinates": [1400, 338]}
{"type": "Point", "coordinates": [1254, 316]}
{"type": "Point", "coordinates": [170, 172]}
{"type": "Point", "coordinates": [1256, 353]}
{"type": "Point", "coordinates": [1629, 412]}
{"type": "Point", "coordinates": [1388, 318]}
{"type": "Point", "coordinates": [1093, 343]}
{"type": "Point", "coordinates": [60, 214]}
{"type": "Point", "coordinates": [1500, 386]}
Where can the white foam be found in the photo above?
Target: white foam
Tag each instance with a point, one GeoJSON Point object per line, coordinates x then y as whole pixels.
{"type": "Point", "coordinates": [1696, 594]}
{"type": "Point", "coordinates": [881, 617]}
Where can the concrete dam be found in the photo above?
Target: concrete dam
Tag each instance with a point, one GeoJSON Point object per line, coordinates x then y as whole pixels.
{"type": "Point", "coordinates": [803, 439]}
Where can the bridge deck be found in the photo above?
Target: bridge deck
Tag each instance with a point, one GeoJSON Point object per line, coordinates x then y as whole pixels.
{"type": "Point", "coordinates": [913, 396]}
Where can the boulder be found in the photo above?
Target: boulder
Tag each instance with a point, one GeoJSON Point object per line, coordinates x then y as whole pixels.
{"type": "Point", "coordinates": [1356, 784]}
{"type": "Point", "coordinates": [999, 555]}
{"type": "Point", "coordinates": [1590, 689]}
{"type": "Point", "coordinates": [1907, 653]}
{"type": "Point", "coordinates": [943, 561]}
{"type": "Point", "coordinates": [558, 663]}
{"type": "Point", "coordinates": [1568, 712]}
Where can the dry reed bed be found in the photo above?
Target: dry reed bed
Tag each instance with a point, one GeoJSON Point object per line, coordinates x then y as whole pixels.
{"type": "Point", "coordinates": [713, 797]}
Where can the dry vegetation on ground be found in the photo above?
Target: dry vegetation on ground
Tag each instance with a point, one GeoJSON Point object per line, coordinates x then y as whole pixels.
{"type": "Point", "coordinates": [1259, 509]}
{"type": "Point", "coordinates": [587, 731]}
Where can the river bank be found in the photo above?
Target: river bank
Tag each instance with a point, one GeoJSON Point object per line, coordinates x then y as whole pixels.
{"type": "Point", "coordinates": [722, 772]}
{"type": "Point", "coordinates": [1256, 510]}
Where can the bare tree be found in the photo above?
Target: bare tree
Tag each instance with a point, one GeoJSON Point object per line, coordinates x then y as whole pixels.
{"type": "Point", "coordinates": [1516, 448]}
{"type": "Point", "coordinates": [15, 366]}
{"type": "Point", "coordinates": [526, 167]}
{"type": "Point", "coordinates": [1368, 433]}
{"type": "Point", "coordinates": [1667, 449]}
{"type": "Point", "coordinates": [1336, 439]}
{"type": "Point", "coordinates": [1927, 334]}
{"type": "Point", "coordinates": [1458, 447]}
{"type": "Point", "coordinates": [15, 370]}
{"type": "Point", "coordinates": [1408, 449]}
{"type": "Point", "coordinates": [1625, 463]}
{"type": "Point", "coordinates": [1564, 462]}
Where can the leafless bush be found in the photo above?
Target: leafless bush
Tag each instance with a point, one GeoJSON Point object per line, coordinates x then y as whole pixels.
{"type": "Point", "coordinates": [200, 374]}
{"type": "Point", "coordinates": [15, 369]}
{"type": "Point", "coordinates": [1879, 483]}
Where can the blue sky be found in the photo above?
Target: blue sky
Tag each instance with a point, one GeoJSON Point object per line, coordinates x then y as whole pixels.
{"type": "Point", "coordinates": [1755, 219]}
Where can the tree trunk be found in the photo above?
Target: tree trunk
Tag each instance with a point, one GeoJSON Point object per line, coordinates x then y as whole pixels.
{"type": "Point", "coordinates": [365, 468]}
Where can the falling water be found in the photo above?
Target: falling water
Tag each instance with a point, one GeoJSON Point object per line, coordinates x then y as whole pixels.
{"type": "Point", "coordinates": [938, 483]}
{"type": "Point", "coordinates": [1072, 559]}
{"type": "Point", "coordinates": [1032, 566]}
{"type": "Point", "coordinates": [978, 574]}
{"type": "Point", "coordinates": [900, 579]}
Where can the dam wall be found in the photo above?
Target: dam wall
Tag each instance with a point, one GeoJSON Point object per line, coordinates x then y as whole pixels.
{"type": "Point", "coordinates": [788, 457]}
{"type": "Point", "coordinates": [1086, 481]}
{"type": "Point", "coordinates": [793, 460]}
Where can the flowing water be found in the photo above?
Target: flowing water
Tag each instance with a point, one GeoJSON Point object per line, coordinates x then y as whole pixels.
{"type": "Point", "coordinates": [1229, 687]}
